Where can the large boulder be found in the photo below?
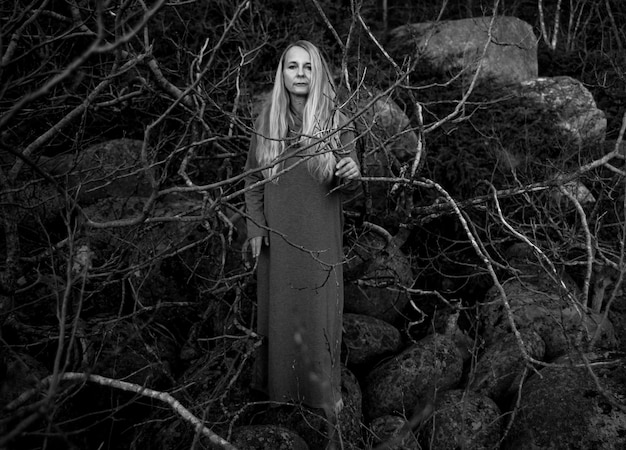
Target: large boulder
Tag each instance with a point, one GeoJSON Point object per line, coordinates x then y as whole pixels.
{"type": "Point", "coordinates": [458, 45]}
{"type": "Point", "coordinates": [405, 383]}
{"type": "Point", "coordinates": [571, 103]}
{"type": "Point", "coordinates": [388, 141]}
{"type": "Point", "coordinates": [368, 339]}
{"type": "Point", "coordinates": [150, 239]}
{"type": "Point", "coordinates": [499, 368]}
{"type": "Point", "coordinates": [557, 317]}
{"type": "Point", "coordinates": [374, 274]}
{"type": "Point", "coordinates": [464, 419]}
{"type": "Point", "coordinates": [574, 404]}
{"type": "Point", "coordinates": [384, 127]}
{"type": "Point", "coordinates": [108, 169]}
{"type": "Point", "coordinates": [386, 132]}
{"type": "Point", "coordinates": [159, 255]}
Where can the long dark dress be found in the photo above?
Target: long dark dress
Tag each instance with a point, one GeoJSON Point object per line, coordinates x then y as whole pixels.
{"type": "Point", "coordinates": [299, 280]}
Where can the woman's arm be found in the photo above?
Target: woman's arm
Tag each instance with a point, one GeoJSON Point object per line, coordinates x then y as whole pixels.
{"type": "Point", "coordinates": [255, 219]}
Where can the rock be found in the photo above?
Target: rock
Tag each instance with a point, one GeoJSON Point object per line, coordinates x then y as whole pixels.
{"type": "Point", "coordinates": [107, 169]}
{"type": "Point", "coordinates": [562, 407]}
{"type": "Point", "coordinates": [573, 105]}
{"type": "Point", "coordinates": [401, 383]}
{"type": "Point", "coordinates": [457, 45]}
{"type": "Point", "coordinates": [444, 320]}
{"type": "Point", "coordinates": [394, 433]}
{"type": "Point", "coordinates": [463, 419]}
{"type": "Point", "coordinates": [153, 242]}
{"type": "Point", "coordinates": [388, 142]}
{"type": "Point", "coordinates": [374, 272]}
{"type": "Point", "coordinates": [559, 319]}
{"type": "Point", "coordinates": [576, 189]}
{"type": "Point", "coordinates": [267, 437]}
{"type": "Point", "coordinates": [524, 259]}
{"type": "Point", "coordinates": [385, 127]}
{"type": "Point", "coordinates": [499, 368]}
{"type": "Point", "coordinates": [368, 339]}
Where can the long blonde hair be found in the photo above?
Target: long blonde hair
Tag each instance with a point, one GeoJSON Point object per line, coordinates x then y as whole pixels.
{"type": "Point", "coordinates": [319, 119]}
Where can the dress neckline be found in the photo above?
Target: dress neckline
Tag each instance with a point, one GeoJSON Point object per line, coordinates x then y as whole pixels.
{"type": "Point", "coordinates": [295, 122]}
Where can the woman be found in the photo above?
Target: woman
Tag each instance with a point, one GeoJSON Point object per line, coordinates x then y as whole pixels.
{"type": "Point", "coordinates": [303, 148]}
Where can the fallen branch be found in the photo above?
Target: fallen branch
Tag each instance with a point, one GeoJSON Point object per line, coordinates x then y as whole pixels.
{"type": "Point", "coordinates": [146, 392]}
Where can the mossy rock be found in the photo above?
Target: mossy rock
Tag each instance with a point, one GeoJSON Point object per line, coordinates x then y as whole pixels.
{"type": "Point", "coordinates": [563, 407]}
{"type": "Point", "coordinates": [464, 419]}
{"type": "Point", "coordinates": [368, 339]}
{"type": "Point", "coordinates": [267, 437]}
{"type": "Point", "coordinates": [400, 384]}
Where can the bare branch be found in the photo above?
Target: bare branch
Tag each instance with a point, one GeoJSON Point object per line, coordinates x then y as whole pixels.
{"type": "Point", "coordinates": [137, 389]}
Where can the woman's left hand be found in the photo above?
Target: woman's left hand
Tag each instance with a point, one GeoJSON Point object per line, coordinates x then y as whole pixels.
{"type": "Point", "coordinates": [347, 168]}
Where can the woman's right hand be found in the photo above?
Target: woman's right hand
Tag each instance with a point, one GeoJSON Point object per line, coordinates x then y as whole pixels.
{"type": "Point", "coordinates": [256, 243]}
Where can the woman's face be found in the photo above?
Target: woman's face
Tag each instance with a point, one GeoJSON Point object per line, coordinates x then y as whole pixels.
{"type": "Point", "coordinates": [297, 71]}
